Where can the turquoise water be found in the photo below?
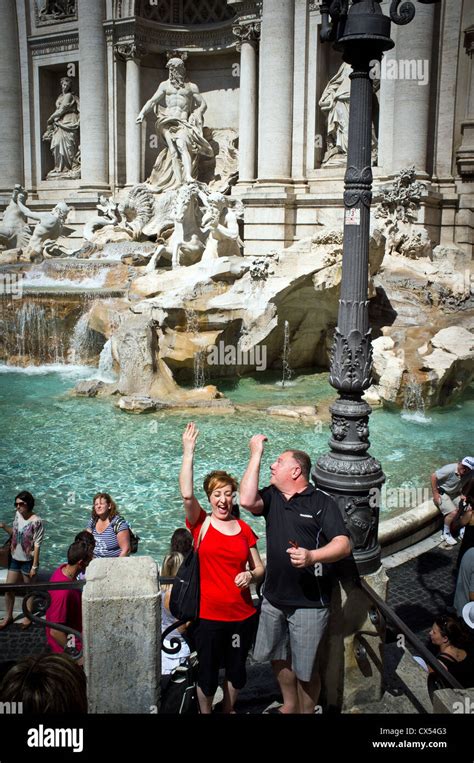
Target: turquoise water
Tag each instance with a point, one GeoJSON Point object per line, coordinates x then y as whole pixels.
{"type": "Point", "coordinates": [64, 449]}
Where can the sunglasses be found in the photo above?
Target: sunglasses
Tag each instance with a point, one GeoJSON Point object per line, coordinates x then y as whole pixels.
{"type": "Point", "coordinates": [20, 503]}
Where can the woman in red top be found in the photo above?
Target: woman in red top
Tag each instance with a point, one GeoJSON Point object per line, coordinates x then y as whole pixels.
{"type": "Point", "coordinates": [227, 618]}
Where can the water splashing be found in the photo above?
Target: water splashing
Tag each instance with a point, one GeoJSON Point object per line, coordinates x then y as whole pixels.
{"type": "Point", "coordinates": [287, 371]}
{"type": "Point", "coordinates": [35, 333]}
{"type": "Point", "coordinates": [106, 364]}
{"type": "Point", "coordinates": [81, 344]}
{"type": "Point", "coordinates": [413, 403]}
{"type": "Point", "coordinates": [192, 327]}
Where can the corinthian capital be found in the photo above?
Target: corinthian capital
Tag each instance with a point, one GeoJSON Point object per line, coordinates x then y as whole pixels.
{"type": "Point", "coordinates": [126, 51]}
{"type": "Point", "coordinates": [249, 32]}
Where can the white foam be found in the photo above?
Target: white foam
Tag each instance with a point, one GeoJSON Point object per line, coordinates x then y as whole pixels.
{"type": "Point", "coordinates": [416, 417]}
{"type": "Point", "coordinates": [40, 280]}
{"type": "Point", "coordinates": [64, 369]}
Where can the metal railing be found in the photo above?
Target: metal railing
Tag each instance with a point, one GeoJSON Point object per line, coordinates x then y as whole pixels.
{"type": "Point", "coordinates": [383, 612]}
{"type": "Point", "coordinates": [39, 592]}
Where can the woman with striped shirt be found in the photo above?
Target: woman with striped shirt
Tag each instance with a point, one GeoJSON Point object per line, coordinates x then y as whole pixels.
{"type": "Point", "coordinates": [110, 530]}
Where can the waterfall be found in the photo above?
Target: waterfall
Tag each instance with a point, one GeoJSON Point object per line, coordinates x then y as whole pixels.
{"type": "Point", "coordinates": [287, 372]}
{"type": "Point", "coordinates": [81, 343]}
{"type": "Point", "coordinates": [192, 327]}
{"type": "Point", "coordinates": [35, 334]}
{"type": "Point", "coordinates": [413, 403]}
{"type": "Point", "coordinates": [106, 363]}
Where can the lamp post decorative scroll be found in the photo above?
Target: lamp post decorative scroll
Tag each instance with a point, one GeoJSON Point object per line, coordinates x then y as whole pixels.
{"type": "Point", "coordinates": [361, 32]}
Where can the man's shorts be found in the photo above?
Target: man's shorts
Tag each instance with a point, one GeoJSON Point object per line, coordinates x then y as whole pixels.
{"type": "Point", "coordinates": [448, 504]}
{"type": "Point", "coordinates": [292, 634]}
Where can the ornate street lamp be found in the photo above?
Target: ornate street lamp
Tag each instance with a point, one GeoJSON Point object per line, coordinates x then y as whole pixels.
{"type": "Point", "coordinates": [361, 31]}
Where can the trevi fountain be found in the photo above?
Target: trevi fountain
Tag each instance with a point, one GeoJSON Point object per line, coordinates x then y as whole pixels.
{"type": "Point", "coordinates": [171, 245]}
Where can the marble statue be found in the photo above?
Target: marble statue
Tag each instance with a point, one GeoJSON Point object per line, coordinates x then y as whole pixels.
{"type": "Point", "coordinates": [14, 229]}
{"type": "Point", "coordinates": [205, 227]}
{"type": "Point", "coordinates": [56, 9]}
{"type": "Point", "coordinates": [49, 226]}
{"type": "Point", "coordinates": [109, 214]}
{"type": "Point", "coordinates": [63, 134]}
{"type": "Point", "coordinates": [220, 222]}
{"type": "Point", "coordinates": [179, 108]}
{"type": "Point", "coordinates": [335, 102]}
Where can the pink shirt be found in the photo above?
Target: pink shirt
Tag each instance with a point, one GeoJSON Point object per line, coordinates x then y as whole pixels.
{"type": "Point", "coordinates": [65, 609]}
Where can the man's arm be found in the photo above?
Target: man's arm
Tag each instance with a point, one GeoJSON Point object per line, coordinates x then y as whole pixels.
{"type": "Point", "coordinates": [434, 488]}
{"type": "Point", "coordinates": [60, 637]}
{"type": "Point", "coordinates": [27, 212]}
{"type": "Point", "coordinates": [199, 100]}
{"type": "Point", "coordinates": [248, 497]}
{"type": "Point", "coordinates": [154, 101]}
{"type": "Point", "coordinates": [338, 548]}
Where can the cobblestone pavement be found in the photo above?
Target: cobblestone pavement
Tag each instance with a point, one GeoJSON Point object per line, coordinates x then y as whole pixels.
{"type": "Point", "coordinates": [423, 588]}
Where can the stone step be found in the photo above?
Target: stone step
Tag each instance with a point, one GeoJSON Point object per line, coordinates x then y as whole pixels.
{"type": "Point", "coordinates": [389, 704]}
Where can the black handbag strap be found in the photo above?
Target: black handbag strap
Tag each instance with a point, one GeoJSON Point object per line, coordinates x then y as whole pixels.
{"type": "Point", "coordinates": [203, 530]}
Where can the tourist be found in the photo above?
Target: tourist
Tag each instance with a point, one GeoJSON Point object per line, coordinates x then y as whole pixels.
{"type": "Point", "coordinates": [171, 564]}
{"type": "Point", "coordinates": [110, 530]}
{"type": "Point", "coordinates": [27, 533]}
{"type": "Point", "coordinates": [227, 617]}
{"type": "Point", "coordinates": [446, 484]}
{"type": "Point", "coordinates": [181, 541]}
{"type": "Point", "coordinates": [305, 532]}
{"type": "Point", "coordinates": [50, 683]}
{"type": "Point", "coordinates": [86, 537]}
{"type": "Point", "coordinates": [464, 592]}
{"type": "Point", "coordinates": [66, 606]}
{"type": "Point", "coordinates": [449, 635]}
{"type": "Point", "coordinates": [464, 520]}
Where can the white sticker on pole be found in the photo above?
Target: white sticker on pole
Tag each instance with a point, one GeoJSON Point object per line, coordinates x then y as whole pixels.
{"type": "Point", "coordinates": [353, 216]}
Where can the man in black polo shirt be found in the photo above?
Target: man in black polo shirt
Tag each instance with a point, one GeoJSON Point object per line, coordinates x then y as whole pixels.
{"type": "Point", "coordinates": [305, 534]}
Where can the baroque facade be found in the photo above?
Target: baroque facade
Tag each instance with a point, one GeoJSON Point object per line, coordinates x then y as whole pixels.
{"type": "Point", "coordinates": [76, 73]}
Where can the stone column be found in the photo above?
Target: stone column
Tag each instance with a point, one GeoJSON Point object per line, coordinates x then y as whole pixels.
{"type": "Point", "coordinates": [412, 99]}
{"type": "Point", "coordinates": [121, 619]}
{"type": "Point", "coordinates": [465, 153]}
{"type": "Point", "coordinates": [248, 35]}
{"type": "Point", "coordinates": [275, 118]}
{"type": "Point", "coordinates": [11, 128]}
{"type": "Point", "coordinates": [132, 53]}
{"type": "Point", "coordinates": [387, 92]}
{"type": "Point", "coordinates": [93, 95]}
{"type": "Point", "coordinates": [300, 92]}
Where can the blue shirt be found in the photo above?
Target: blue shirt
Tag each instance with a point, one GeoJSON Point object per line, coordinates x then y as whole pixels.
{"type": "Point", "coordinates": [106, 543]}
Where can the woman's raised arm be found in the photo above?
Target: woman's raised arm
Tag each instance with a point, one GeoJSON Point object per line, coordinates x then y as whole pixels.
{"type": "Point", "coordinates": [191, 504]}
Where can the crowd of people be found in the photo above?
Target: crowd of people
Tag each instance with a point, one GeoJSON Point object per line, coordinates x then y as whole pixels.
{"type": "Point", "coordinates": [305, 536]}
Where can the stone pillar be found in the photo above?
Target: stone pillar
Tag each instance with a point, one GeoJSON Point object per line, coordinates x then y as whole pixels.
{"type": "Point", "coordinates": [300, 92]}
{"type": "Point", "coordinates": [121, 618]}
{"type": "Point", "coordinates": [132, 53]}
{"type": "Point", "coordinates": [387, 92]}
{"type": "Point", "coordinates": [248, 35]}
{"type": "Point", "coordinates": [275, 119]}
{"type": "Point", "coordinates": [11, 128]}
{"type": "Point", "coordinates": [465, 153]}
{"type": "Point", "coordinates": [93, 95]}
{"type": "Point", "coordinates": [412, 99]}
{"type": "Point", "coordinates": [351, 678]}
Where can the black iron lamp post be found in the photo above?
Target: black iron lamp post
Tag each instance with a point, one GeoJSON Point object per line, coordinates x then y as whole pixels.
{"type": "Point", "coordinates": [354, 478]}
